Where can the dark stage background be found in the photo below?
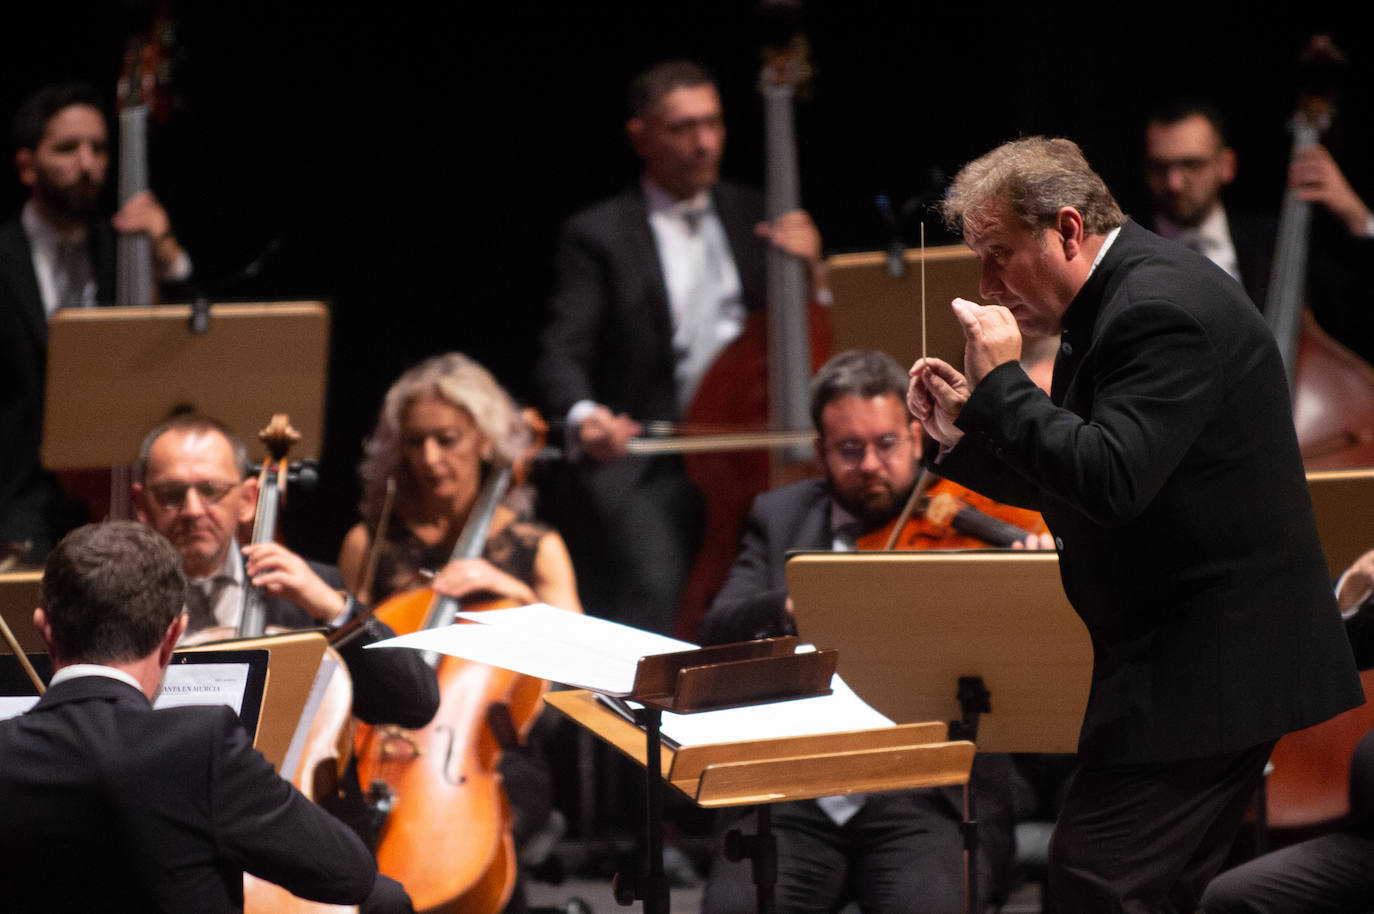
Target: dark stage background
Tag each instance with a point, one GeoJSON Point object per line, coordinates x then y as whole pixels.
{"type": "Point", "coordinates": [411, 166]}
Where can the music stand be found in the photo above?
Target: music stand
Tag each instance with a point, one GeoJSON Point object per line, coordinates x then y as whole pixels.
{"type": "Point", "coordinates": [1343, 501]}
{"type": "Point", "coordinates": [875, 310]}
{"type": "Point", "coordinates": [18, 597]}
{"type": "Point", "coordinates": [759, 771]}
{"type": "Point", "coordinates": [114, 373]}
{"type": "Point", "coordinates": [911, 625]}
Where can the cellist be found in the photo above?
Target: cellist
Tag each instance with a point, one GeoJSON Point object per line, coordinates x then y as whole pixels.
{"type": "Point", "coordinates": [888, 852]}
{"type": "Point", "coordinates": [650, 285]}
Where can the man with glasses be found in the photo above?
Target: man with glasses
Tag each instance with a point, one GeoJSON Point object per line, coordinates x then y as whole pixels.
{"type": "Point", "coordinates": [898, 851]}
{"type": "Point", "coordinates": [189, 485]}
{"type": "Point", "coordinates": [1188, 164]}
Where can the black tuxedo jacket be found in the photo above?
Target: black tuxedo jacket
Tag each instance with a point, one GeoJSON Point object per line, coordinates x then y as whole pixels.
{"type": "Point", "coordinates": [610, 332]}
{"type": "Point", "coordinates": [1166, 465]}
{"type": "Point", "coordinates": [30, 501]}
{"type": "Point", "coordinates": [389, 686]}
{"type": "Point", "coordinates": [112, 806]}
{"type": "Point", "coordinates": [751, 603]}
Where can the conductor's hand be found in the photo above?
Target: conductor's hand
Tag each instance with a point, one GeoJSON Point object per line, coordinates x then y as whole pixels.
{"type": "Point", "coordinates": [991, 338]}
{"type": "Point", "coordinates": [936, 397]}
{"type": "Point", "coordinates": [603, 434]}
{"type": "Point", "coordinates": [1357, 583]}
{"type": "Point", "coordinates": [282, 573]}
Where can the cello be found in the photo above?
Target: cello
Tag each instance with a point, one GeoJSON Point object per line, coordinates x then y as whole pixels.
{"type": "Point", "coordinates": [325, 751]}
{"type": "Point", "coordinates": [447, 835]}
{"type": "Point", "coordinates": [762, 378]}
{"type": "Point", "coordinates": [1333, 410]}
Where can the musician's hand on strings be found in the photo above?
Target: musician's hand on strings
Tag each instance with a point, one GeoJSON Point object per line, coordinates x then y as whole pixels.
{"type": "Point", "coordinates": [936, 397]}
{"type": "Point", "coordinates": [1317, 178]}
{"type": "Point", "coordinates": [1035, 541]}
{"type": "Point", "coordinates": [282, 573]}
{"type": "Point", "coordinates": [603, 434]}
{"type": "Point", "coordinates": [470, 577]}
{"type": "Point", "coordinates": [991, 338]}
{"type": "Point", "coordinates": [795, 233]}
{"type": "Point", "coordinates": [143, 213]}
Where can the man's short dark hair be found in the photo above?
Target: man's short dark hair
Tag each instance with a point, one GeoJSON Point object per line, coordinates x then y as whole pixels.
{"type": "Point", "coordinates": [648, 88]}
{"type": "Point", "coordinates": [856, 373]}
{"type": "Point", "coordinates": [1175, 110]}
{"type": "Point", "coordinates": [31, 120]}
{"type": "Point", "coordinates": [110, 591]}
{"type": "Point", "coordinates": [190, 422]}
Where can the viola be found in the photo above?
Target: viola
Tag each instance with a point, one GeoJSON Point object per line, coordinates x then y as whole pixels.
{"type": "Point", "coordinates": [946, 515]}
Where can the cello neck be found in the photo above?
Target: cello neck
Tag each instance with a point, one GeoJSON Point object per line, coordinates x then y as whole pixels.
{"type": "Point", "coordinates": [1283, 302]}
{"type": "Point", "coordinates": [473, 540]}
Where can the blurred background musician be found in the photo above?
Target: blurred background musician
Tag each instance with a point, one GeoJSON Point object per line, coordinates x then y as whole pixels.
{"type": "Point", "coordinates": [650, 286]}
{"type": "Point", "coordinates": [898, 851]}
{"type": "Point", "coordinates": [112, 806]}
{"type": "Point", "coordinates": [57, 253]}
{"type": "Point", "coordinates": [1188, 165]}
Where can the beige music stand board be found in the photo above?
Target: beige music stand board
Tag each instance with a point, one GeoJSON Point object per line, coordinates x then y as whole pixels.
{"type": "Point", "coordinates": [114, 373]}
{"type": "Point", "coordinates": [910, 626]}
{"type": "Point", "coordinates": [18, 597]}
{"type": "Point", "coordinates": [874, 310]}
{"type": "Point", "coordinates": [294, 661]}
{"type": "Point", "coordinates": [1343, 501]}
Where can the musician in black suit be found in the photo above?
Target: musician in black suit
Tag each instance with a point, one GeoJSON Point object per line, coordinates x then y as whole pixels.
{"type": "Point", "coordinates": [112, 806]}
{"type": "Point", "coordinates": [190, 486]}
{"type": "Point", "coordinates": [54, 254]}
{"type": "Point", "coordinates": [651, 285]}
{"type": "Point", "coordinates": [897, 851]}
{"type": "Point", "coordinates": [1165, 462]}
{"type": "Point", "coordinates": [1189, 164]}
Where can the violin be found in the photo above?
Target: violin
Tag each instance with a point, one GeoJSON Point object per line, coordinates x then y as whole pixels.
{"type": "Point", "coordinates": [945, 515]}
{"type": "Point", "coordinates": [326, 749]}
{"type": "Point", "coordinates": [447, 835]}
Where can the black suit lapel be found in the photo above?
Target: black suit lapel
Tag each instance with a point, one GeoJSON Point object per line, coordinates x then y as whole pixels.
{"type": "Point", "coordinates": [16, 266]}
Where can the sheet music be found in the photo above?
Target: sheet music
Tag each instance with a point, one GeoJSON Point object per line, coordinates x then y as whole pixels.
{"type": "Point", "coordinates": [548, 643]}
{"type": "Point", "coordinates": [203, 684]}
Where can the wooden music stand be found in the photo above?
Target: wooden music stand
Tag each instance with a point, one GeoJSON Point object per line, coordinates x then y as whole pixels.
{"type": "Point", "coordinates": [875, 310]}
{"type": "Point", "coordinates": [913, 627]}
{"type": "Point", "coordinates": [294, 659]}
{"type": "Point", "coordinates": [18, 597]}
{"type": "Point", "coordinates": [114, 373]}
{"type": "Point", "coordinates": [755, 771]}
{"type": "Point", "coordinates": [1343, 501]}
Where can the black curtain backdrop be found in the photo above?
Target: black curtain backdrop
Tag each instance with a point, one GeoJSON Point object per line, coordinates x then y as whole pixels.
{"type": "Point", "coordinates": [412, 166]}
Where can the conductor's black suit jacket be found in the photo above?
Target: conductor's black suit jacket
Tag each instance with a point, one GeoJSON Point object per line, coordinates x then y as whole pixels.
{"type": "Point", "coordinates": [1166, 465]}
{"type": "Point", "coordinates": [112, 806]}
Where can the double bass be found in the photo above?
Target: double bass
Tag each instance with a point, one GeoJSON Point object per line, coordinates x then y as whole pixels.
{"type": "Point", "coordinates": [1333, 409]}
{"type": "Point", "coordinates": [761, 380]}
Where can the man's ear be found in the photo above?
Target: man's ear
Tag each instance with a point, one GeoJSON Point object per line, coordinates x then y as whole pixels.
{"type": "Point", "coordinates": [1226, 166]}
{"type": "Point", "coordinates": [1069, 224]}
{"type": "Point", "coordinates": [634, 132]}
{"type": "Point", "coordinates": [248, 508]}
{"type": "Point", "coordinates": [40, 622]}
{"type": "Point", "coordinates": [170, 639]}
{"type": "Point", "coordinates": [24, 166]}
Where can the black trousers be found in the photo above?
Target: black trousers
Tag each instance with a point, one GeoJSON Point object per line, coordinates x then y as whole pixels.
{"type": "Point", "coordinates": [1149, 837]}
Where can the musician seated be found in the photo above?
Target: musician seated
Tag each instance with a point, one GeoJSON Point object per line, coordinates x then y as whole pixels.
{"type": "Point", "coordinates": [190, 486]}
{"type": "Point", "coordinates": [112, 806]}
{"type": "Point", "coordinates": [1334, 871]}
{"type": "Point", "coordinates": [898, 851]}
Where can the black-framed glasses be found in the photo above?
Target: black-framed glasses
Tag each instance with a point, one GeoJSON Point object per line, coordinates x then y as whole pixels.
{"type": "Point", "coordinates": [853, 450]}
{"type": "Point", "coordinates": [171, 495]}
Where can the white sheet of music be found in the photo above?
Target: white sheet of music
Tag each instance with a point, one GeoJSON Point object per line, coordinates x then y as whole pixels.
{"type": "Point", "coordinates": [549, 643]}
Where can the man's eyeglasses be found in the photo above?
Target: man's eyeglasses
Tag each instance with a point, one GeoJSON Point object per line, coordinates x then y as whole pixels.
{"type": "Point", "coordinates": [853, 450]}
{"type": "Point", "coordinates": [171, 495]}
